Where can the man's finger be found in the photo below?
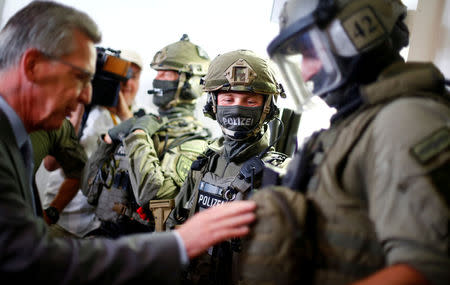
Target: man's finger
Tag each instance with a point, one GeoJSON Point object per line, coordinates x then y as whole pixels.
{"type": "Point", "coordinates": [236, 221]}
{"type": "Point", "coordinates": [230, 209]}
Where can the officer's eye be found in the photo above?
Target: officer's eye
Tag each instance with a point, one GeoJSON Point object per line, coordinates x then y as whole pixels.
{"type": "Point", "coordinates": [227, 99]}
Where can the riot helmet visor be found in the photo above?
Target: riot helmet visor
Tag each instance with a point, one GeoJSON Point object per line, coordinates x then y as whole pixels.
{"type": "Point", "coordinates": [307, 65]}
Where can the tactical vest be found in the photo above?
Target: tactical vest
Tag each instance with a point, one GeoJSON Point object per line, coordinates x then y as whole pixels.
{"type": "Point", "coordinates": [347, 248]}
{"type": "Point", "coordinates": [219, 181]}
{"type": "Point", "coordinates": [180, 142]}
{"type": "Point", "coordinates": [116, 198]}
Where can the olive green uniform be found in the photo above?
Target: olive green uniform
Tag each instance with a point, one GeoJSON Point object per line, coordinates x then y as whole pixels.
{"type": "Point", "coordinates": [381, 185]}
{"type": "Point", "coordinates": [63, 144]}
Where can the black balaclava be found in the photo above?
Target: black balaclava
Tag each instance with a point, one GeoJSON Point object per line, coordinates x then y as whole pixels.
{"type": "Point", "coordinates": [242, 121]}
{"type": "Point", "coordinates": [239, 119]}
{"type": "Point", "coordinates": [169, 89]}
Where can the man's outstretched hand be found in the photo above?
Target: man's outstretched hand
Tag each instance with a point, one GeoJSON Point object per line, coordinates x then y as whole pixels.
{"type": "Point", "coordinates": [217, 224]}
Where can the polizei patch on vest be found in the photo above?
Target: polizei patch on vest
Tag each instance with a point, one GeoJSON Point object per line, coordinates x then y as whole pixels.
{"type": "Point", "coordinates": [206, 200]}
{"type": "Point", "coordinates": [237, 121]}
{"type": "Point", "coordinates": [431, 146]}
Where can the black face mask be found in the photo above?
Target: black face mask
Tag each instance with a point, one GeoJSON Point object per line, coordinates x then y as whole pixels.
{"type": "Point", "coordinates": [169, 88]}
{"type": "Point", "coordinates": [238, 120]}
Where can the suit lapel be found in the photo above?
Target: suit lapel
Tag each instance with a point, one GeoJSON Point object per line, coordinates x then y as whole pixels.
{"type": "Point", "coordinates": [15, 158]}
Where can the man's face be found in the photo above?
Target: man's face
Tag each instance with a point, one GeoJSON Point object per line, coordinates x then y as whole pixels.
{"type": "Point", "coordinates": [130, 88]}
{"type": "Point", "coordinates": [239, 113]}
{"type": "Point", "coordinates": [65, 82]}
{"type": "Point", "coordinates": [240, 98]}
{"type": "Point", "coordinates": [310, 67]}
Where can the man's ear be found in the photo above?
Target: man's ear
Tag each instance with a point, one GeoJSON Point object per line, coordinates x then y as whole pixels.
{"type": "Point", "coordinates": [30, 63]}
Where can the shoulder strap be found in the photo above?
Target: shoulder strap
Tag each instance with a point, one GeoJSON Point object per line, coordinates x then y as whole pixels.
{"type": "Point", "coordinates": [404, 79]}
{"type": "Point", "coordinates": [181, 140]}
{"type": "Point", "coordinates": [187, 134]}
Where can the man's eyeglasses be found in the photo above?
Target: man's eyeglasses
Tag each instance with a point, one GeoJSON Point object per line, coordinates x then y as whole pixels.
{"type": "Point", "coordinates": [82, 74]}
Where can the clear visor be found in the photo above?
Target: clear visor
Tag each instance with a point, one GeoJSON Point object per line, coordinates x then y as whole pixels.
{"type": "Point", "coordinates": [307, 66]}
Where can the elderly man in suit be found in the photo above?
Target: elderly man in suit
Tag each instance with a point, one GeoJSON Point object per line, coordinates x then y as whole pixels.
{"type": "Point", "coordinates": [47, 59]}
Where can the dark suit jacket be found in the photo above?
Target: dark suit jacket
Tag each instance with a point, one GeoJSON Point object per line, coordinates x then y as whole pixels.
{"type": "Point", "coordinates": [29, 254]}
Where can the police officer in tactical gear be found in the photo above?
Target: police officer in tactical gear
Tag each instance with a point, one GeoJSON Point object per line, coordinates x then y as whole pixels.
{"type": "Point", "coordinates": [179, 67]}
{"type": "Point", "coordinates": [242, 90]}
{"type": "Point", "coordinates": [378, 177]}
{"type": "Point", "coordinates": [152, 154]}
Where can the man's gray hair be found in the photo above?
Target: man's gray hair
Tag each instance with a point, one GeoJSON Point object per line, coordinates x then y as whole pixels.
{"type": "Point", "coordinates": [46, 26]}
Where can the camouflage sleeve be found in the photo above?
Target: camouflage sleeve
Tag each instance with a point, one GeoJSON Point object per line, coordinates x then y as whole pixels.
{"type": "Point", "coordinates": [146, 174]}
{"type": "Point", "coordinates": [68, 151]}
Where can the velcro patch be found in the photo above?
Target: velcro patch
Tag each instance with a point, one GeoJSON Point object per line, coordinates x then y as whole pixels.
{"type": "Point", "coordinates": [183, 166]}
{"type": "Point", "coordinates": [431, 146]}
{"type": "Point", "coordinates": [364, 28]}
{"type": "Point", "coordinates": [197, 146]}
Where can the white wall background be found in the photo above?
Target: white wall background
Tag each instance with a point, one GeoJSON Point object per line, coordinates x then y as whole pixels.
{"type": "Point", "coordinates": [430, 34]}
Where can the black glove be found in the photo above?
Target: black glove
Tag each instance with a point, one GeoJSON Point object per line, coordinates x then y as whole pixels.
{"type": "Point", "coordinates": [149, 123]}
{"type": "Point", "coordinates": [139, 113]}
{"type": "Point", "coordinates": [122, 130]}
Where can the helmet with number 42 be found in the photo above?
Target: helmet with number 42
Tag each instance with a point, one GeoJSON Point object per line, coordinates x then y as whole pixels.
{"type": "Point", "coordinates": [322, 41]}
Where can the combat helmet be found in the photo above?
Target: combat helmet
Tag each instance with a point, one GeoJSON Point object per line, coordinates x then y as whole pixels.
{"type": "Point", "coordinates": [242, 71]}
{"type": "Point", "coordinates": [191, 62]}
{"type": "Point", "coordinates": [324, 44]}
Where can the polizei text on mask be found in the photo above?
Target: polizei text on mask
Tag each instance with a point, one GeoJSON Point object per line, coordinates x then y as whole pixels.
{"type": "Point", "coordinates": [237, 121]}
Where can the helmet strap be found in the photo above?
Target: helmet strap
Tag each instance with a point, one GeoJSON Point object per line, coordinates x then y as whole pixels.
{"type": "Point", "coordinates": [176, 99]}
{"type": "Point", "coordinates": [214, 103]}
{"type": "Point", "coordinates": [265, 112]}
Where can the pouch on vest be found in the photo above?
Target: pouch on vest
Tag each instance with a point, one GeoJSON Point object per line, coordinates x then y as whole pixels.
{"type": "Point", "coordinates": [95, 189]}
{"type": "Point", "coordinates": [277, 250]}
{"type": "Point", "coordinates": [251, 167]}
{"type": "Point", "coordinates": [95, 173]}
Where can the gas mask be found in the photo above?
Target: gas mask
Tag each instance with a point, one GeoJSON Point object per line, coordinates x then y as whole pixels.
{"type": "Point", "coordinates": [238, 122]}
